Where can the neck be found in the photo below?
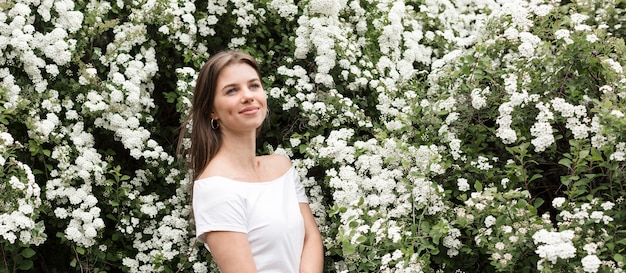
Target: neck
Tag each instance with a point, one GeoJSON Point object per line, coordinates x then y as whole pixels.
{"type": "Point", "coordinates": [240, 149]}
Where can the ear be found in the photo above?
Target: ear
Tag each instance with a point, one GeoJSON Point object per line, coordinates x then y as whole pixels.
{"type": "Point", "coordinates": [214, 116]}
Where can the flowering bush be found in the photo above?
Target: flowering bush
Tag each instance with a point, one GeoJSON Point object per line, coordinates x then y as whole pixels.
{"type": "Point", "coordinates": [432, 136]}
{"type": "Point", "coordinates": [21, 229]}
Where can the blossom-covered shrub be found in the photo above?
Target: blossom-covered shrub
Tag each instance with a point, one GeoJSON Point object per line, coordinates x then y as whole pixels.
{"type": "Point", "coordinates": [432, 136]}
{"type": "Point", "coordinates": [21, 230]}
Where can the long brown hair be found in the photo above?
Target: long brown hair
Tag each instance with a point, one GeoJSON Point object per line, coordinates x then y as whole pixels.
{"type": "Point", "coordinates": [205, 140]}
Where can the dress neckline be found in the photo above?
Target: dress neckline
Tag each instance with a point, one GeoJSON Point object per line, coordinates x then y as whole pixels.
{"type": "Point", "coordinates": [219, 177]}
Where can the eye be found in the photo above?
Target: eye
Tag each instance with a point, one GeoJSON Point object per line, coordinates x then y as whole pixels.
{"type": "Point", "coordinates": [255, 86]}
{"type": "Point", "coordinates": [231, 91]}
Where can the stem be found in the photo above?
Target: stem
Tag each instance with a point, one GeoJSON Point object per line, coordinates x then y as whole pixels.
{"type": "Point", "coordinates": [77, 259]}
{"type": "Point", "coordinates": [186, 258]}
{"type": "Point", "coordinates": [4, 258]}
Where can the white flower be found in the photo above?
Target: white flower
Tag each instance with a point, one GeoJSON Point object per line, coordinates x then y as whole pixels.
{"type": "Point", "coordinates": [578, 18]}
{"type": "Point", "coordinates": [325, 7]}
{"type": "Point", "coordinates": [478, 99]}
{"type": "Point", "coordinates": [591, 263]}
{"type": "Point", "coordinates": [463, 185]}
{"type": "Point", "coordinates": [614, 65]}
{"type": "Point", "coordinates": [46, 126]}
{"type": "Point", "coordinates": [526, 49]}
{"type": "Point", "coordinates": [7, 138]}
{"type": "Point", "coordinates": [590, 248]}
{"type": "Point", "coordinates": [511, 34]}
{"type": "Point", "coordinates": [620, 152]}
{"type": "Point", "coordinates": [592, 38]}
{"type": "Point", "coordinates": [200, 267]}
{"type": "Point", "coordinates": [490, 221]}
{"type": "Point", "coordinates": [504, 182]}
{"type": "Point", "coordinates": [16, 183]}
{"type": "Point", "coordinates": [451, 242]}
{"type": "Point", "coordinates": [554, 245]}
{"type": "Point", "coordinates": [542, 131]}
{"type": "Point", "coordinates": [26, 209]}
{"type": "Point", "coordinates": [294, 142]}
{"type": "Point", "coordinates": [500, 246]}
{"type": "Point", "coordinates": [583, 27]}
{"type": "Point", "coordinates": [597, 216]}
{"type": "Point", "coordinates": [563, 34]}
{"type": "Point", "coordinates": [558, 202]}
{"type": "Point", "coordinates": [617, 113]}
{"type": "Point", "coordinates": [542, 10]}
{"type": "Point", "coordinates": [394, 125]}
{"type": "Point", "coordinates": [608, 205]}
{"type": "Point", "coordinates": [507, 229]}
{"type": "Point", "coordinates": [482, 163]}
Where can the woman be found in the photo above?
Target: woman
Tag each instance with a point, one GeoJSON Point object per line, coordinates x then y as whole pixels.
{"type": "Point", "coordinates": [250, 211]}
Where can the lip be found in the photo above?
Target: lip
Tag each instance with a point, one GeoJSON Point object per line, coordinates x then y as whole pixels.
{"type": "Point", "coordinates": [250, 110]}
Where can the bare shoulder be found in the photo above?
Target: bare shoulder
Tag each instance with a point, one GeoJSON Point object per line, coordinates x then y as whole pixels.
{"type": "Point", "coordinates": [279, 159]}
{"type": "Point", "coordinates": [216, 167]}
{"type": "Point", "coordinates": [277, 162]}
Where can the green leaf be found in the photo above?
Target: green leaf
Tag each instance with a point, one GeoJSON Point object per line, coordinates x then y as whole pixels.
{"type": "Point", "coordinates": [26, 265]}
{"type": "Point", "coordinates": [478, 186]}
{"type": "Point", "coordinates": [583, 153]}
{"type": "Point", "coordinates": [348, 249]}
{"type": "Point", "coordinates": [462, 197]}
{"type": "Point", "coordinates": [80, 250]}
{"type": "Point", "coordinates": [565, 180]}
{"type": "Point", "coordinates": [425, 226]}
{"type": "Point", "coordinates": [536, 176]}
{"type": "Point", "coordinates": [28, 252]}
{"type": "Point", "coordinates": [538, 202]}
{"type": "Point", "coordinates": [596, 155]}
{"type": "Point", "coordinates": [618, 258]}
{"type": "Point", "coordinates": [566, 162]}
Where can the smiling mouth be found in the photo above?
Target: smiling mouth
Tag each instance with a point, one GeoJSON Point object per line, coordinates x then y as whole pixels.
{"type": "Point", "coordinates": [249, 110]}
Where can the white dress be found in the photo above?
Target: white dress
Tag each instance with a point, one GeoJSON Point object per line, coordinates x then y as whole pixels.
{"type": "Point", "coordinates": [268, 212]}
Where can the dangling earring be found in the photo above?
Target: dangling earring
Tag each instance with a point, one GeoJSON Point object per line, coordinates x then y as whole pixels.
{"type": "Point", "coordinates": [214, 124]}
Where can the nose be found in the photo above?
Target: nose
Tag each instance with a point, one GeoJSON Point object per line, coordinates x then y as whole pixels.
{"type": "Point", "coordinates": [247, 95]}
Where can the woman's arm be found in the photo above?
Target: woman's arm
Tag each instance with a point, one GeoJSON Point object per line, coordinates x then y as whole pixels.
{"type": "Point", "coordinates": [312, 260]}
{"type": "Point", "coordinates": [231, 251]}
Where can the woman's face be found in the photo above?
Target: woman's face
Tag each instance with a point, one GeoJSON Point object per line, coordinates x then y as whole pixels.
{"type": "Point", "coordinates": [240, 102]}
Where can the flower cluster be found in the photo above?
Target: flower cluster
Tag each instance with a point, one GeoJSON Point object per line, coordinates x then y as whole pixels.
{"type": "Point", "coordinates": [554, 246]}
{"type": "Point", "coordinates": [505, 230]}
{"type": "Point", "coordinates": [578, 234]}
{"type": "Point", "coordinates": [21, 200]}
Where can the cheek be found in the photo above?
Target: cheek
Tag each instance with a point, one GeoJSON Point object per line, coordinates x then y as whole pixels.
{"type": "Point", "coordinates": [262, 99]}
{"type": "Point", "coordinates": [225, 107]}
